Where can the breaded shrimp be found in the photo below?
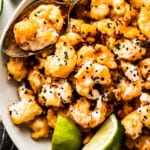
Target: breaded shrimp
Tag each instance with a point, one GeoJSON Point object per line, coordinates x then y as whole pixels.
{"type": "Point", "coordinates": [25, 110]}
{"type": "Point", "coordinates": [144, 21]}
{"type": "Point", "coordinates": [17, 68]}
{"type": "Point", "coordinates": [39, 127]}
{"type": "Point", "coordinates": [82, 115]}
{"type": "Point", "coordinates": [106, 26]}
{"type": "Point", "coordinates": [143, 142]}
{"type": "Point", "coordinates": [144, 112]}
{"type": "Point", "coordinates": [128, 90]}
{"type": "Point", "coordinates": [140, 3]}
{"type": "Point", "coordinates": [63, 62]}
{"type": "Point", "coordinates": [90, 74]}
{"type": "Point", "coordinates": [55, 94]}
{"type": "Point", "coordinates": [131, 71]}
{"type": "Point", "coordinates": [40, 29]}
{"type": "Point", "coordinates": [144, 98]}
{"type": "Point", "coordinates": [98, 53]}
{"type": "Point", "coordinates": [130, 50]}
{"type": "Point", "coordinates": [144, 66]}
{"type": "Point", "coordinates": [36, 79]}
{"type": "Point", "coordinates": [132, 124]}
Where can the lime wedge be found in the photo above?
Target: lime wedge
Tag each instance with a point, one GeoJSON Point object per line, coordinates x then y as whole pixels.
{"type": "Point", "coordinates": [108, 137]}
{"type": "Point", "coordinates": [66, 135]}
{"type": "Point", "coordinates": [1, 6]}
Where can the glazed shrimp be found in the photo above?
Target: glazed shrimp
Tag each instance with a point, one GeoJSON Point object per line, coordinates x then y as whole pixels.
{"type": "Point", "coordinates": [132, 124]}
{"type": "Point", "coordinates": [98, 53]}
{"type": "Point", "coordinates": [40, 29]}
{"type": "Point", "coordinates": [63, 62]}
{"type": "Point", "coordinates": [17, 68]}
{"type": "Point", "coordinates": [140, 3]}
{"type": "Point", "coordinates": [144, 112]}
{"type": "Point", "coordinates": [130, 50]}
{"type": "Point", "coordinates": [143, 22]}
{"type": "Point", "coordinates": [106, 26]}
{"type": "Point", "coordinates": [36, 79]}
{"type": "Point", "coordinates": [143, 142]}
{"type": "Point", "coordinates": [39, 127]}
{"type": "Point", "coordinates": [90, 74]}
{"type": "Point", "coordinates": [144, 66]}
{"type": "Point", "coordinates": [128, 90]}
{"type": "Point", "coordinates": [25, 110]}
{"type": "Point", "coordinates": [55, 94]}
{"type": "Point", "coordinates": [131, 71]}
{"type": "Point", "coordinates": [82, 115]}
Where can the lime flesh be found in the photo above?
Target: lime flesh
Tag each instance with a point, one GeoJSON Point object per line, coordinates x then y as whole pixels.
{"type": "Point", "coordinates": [108, 137]}
{"type": "Point", "coordinates": [66, 135]}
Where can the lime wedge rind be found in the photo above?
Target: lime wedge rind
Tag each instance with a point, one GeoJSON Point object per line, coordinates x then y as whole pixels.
{"type": "Point", "coordinates": [108, 137]}
{"type": "Point", "coordinates": [1, 6]}
{"type": "Point", "coordinates": [66, 135]}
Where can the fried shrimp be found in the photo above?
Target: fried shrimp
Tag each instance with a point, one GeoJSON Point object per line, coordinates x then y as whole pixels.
{"type": "Point", "coordinates": [82, 115]}
{"type": "Point", "coordinates": [132, 124]}
{"type": "Point", "coordinates": [130, 50]}
{"type": "Point", "coordinates": [17, 68]}
{"type": "Point", "coordinates": [100, 65]}
{"type": "Point", "coordinates": [128, 90]}
{"type": "Point", "coordinates": [143, 22]}
{"type": "Point", "coordinates": [55, 94]}
{"type": "Point", "coordinates": [90, 74]}
{"type": "Point", "coordinates": [25, 110]}
{"type": "Point", "coordinates": [98, 53]}
{"type": "Point", "coordinates": [39, 127]}
{"type": "Point", "coordinates": [64, 59]}
{"type": "Point", "coordinates": [40, 29]}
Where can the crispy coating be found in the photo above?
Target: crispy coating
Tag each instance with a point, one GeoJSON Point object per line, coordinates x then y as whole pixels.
{"type": "Point", "coordinates": [36, 79]}
{"type": "Point", "coordinates": [143, 142]}
{"type": "Point", "coordinates": [130, 50]}
{"type": "Point", "coordinates": [81, 113]}
{"type": "Point", "coordinates": [100, 65]}
{"type": "Point", "coordinates": [128, 90]}
{"type": "Point", "coordinates": [17, 69]}
{"type": "Point", "coordinates": [131, 71]}
{"type": "Point", "coordinates": [144, 21]}
{"type": "Point", "coordinates": [145, 67]}
{"type": "Point", "coordinates": [144, 112]}
{"type": "Point", "coordinates": [55, 94]}
{"type": "Point", "coordinates": [64, 59]}
{"type": "Point", "coordinates": [51, 117]}
{"type": "Point", "coordinates": [39, 127]}
{"type": "Point", "coordinates": [132, 124]}
{"type": "Point", "coordinates": [25, 110]}
{"type": "Point", "coordinates": [99, 53]}
{"type": "Point", "coordinates": [140, 3]}
{"type": "Point", "coordinates": [106, 26]}
{"type": "Point", "coordinates": [90, 74]}
{"type": "Point", "coordinates": [40, 29]}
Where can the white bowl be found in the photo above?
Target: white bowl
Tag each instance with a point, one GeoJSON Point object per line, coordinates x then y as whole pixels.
{"type": "Point", "coordinates": [19, 134]}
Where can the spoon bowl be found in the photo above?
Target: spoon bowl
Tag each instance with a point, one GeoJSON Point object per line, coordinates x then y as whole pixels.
{"type": "Point", "coordinates": [8, 44]}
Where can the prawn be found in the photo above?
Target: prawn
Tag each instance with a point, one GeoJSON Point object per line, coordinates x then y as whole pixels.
{"type": "Point", "coordinates": [40, 29]}
{"type": "Point", "coordinates": [82, 115]}
{"type": "Point", "coordinates": [89, 75]}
